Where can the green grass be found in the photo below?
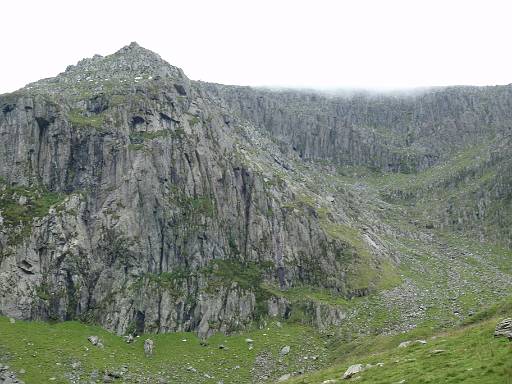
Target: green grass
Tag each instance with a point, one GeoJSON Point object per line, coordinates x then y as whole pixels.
{"type": "Point", "coordinates": [193, 207]}
{"type": "Point", "coordinates": [18, 213]}
{"type": "Point", "coordinates": [307, 293]}
{"type": "Point", "coordinates": [47, 350]}
{"type": "Point", "coordinates": [471, 355]}
{"type": "Point", "coordinates": [78, 119]}
{"type": "Point", "coordinates": [194, 120]}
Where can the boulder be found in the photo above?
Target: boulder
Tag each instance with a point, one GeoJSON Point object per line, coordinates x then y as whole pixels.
{"type": "Point", "coordinates": [353, 370]}
{"type": "Point", "coordinates": [96, 341]}
{"type": "Point", "coordinates": [148, 347]}
{"type": "Point", "coordinates": [285, 350]}
{"type": "Point", "coordinates": [504, 329]}
{"type": "Point", "coordinates": [405, 344]}
{"type": "Point", "coordinates": [7, 376]}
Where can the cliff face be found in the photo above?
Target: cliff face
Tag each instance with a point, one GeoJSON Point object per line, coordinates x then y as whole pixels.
{"type": "Point", "coordinates": [135, 198]}
{"type": "Point", "coordinates": [161, 221]}
{"type": "Point", "coordinates": [402, 132]}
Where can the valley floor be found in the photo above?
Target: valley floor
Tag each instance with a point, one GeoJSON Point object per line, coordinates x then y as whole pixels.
{"type": "Point", "coordinates": [60, 353]}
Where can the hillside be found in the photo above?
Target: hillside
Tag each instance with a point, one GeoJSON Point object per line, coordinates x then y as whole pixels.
{"type": "Point", "coordinates": [466, 354]}
{"type": "Point", "coordinates": [139, 201]}
{"type": "Point", "coordinates": [61, 353]}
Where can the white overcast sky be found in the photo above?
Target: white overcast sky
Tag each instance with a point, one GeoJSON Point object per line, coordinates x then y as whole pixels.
{"type": "Point", "coordinates": [320, 43]}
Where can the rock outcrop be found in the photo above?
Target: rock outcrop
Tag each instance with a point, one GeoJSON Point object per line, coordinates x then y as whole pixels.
{"type": "Point", "coordinates": [134, 198]}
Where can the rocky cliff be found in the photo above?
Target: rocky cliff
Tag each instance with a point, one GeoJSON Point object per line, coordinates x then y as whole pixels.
{"type": "Point", "coordinates": [140, 200]}
{"type": "Point", "coordinates": [404, 132]}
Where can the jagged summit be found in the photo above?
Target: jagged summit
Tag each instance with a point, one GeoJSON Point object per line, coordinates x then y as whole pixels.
{"type": "Point", "coordinates": [128, 66]}
{"type": "Point", "coordinates": [135, 47]}
{"type": "Point", "coordinates": [131, 60]}
{"type": "Point", "coordinates": [130, 54]}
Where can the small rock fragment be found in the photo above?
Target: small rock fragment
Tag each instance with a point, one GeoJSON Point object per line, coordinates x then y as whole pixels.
{"type": "Point", "coordinates": [285, 350]}
{"type": "Point", "coordinates": [95, 340]}
{"type": "Point", "coordinates": [352, 370]}
{"type": "Point", "coordinates": [129, 338]}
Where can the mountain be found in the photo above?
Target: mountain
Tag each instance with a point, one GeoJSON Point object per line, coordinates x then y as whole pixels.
{"type": "Point", "coordinates": [134, 198]}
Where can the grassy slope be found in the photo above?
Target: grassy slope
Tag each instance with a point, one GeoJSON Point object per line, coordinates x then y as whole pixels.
{"type": "Point", "coordinates": [48, 350]}
{"type": "Point", "coordinates": [470, 355]}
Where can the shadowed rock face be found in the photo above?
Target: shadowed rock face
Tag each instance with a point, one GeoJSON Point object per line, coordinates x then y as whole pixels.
{"type": "Point", "coordinates": [135, 198]}
{"type": "Point", "coordinates": [399, 132]}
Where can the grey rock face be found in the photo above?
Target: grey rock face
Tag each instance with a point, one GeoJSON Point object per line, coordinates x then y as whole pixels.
{"type": "Point", "coordinates": [400, 132]}
{"type": "Point", "coordinates": [284, 377]}
{"type": "Point", "coordinates": [160, 217]}
{"type": "Point", "coordinates": [96, 341]}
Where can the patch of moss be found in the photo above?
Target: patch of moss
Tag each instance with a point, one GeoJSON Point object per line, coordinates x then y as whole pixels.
{"type": "Point", "coordinates": [247, 275]}
{"type": "Point", "coordinates": [20, 205]}
{"type": "Point", "coordinates": [42, 292]}
{"type": "Point", "coordinates": [192, 206]}
{"type": "Point", "coordinates": [194, 120]}
{"type": "Point", "coordinates": [136, 147]}
{"type": "Point", "coordinates": [355, 254]}
{"type": "Point", "coordinates": [171, 281]}
{"type": "Point", "coordinates": [79, 119]}
{"type": "Point", "coordinates": [140, 137]}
